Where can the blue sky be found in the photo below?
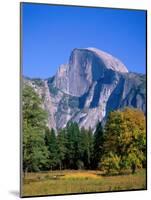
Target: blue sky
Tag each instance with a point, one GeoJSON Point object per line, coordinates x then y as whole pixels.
{"type": "Point", "coordinates": [51, 32]}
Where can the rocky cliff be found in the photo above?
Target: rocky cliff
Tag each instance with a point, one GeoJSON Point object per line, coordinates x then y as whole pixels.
{"type": "Point", "coordinates": [85, 90]}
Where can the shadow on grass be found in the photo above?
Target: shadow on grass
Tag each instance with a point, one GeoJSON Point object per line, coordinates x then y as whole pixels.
{"type": "Point", "coordinates": [117, 174]}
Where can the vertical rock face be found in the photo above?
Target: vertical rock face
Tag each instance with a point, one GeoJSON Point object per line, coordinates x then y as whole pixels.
{"type": "Point", "coordinates": [84, 68]}
{"type": "Point", "coordinates": [92, 84]}
{"type": "Point", "coordinates": [61, 78]}
{"type": "Point", "coordinates": [48, 104]}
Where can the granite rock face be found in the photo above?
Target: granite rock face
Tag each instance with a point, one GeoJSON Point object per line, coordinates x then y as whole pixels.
{"type": "Point", "coordinates": [85, 66]}
{"type": "Point", "coordinates": [86, 89]}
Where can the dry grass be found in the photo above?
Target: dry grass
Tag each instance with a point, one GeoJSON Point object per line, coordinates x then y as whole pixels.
{"type": "Point", "coordinates": [70, 181]}
{"type": "Point", "coordinates": [81, 175]}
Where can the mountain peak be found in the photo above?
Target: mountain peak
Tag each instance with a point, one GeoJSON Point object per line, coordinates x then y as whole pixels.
{"type": "Point", "coordinates": [85, 67]}
{"type": "Point", "coordinates": [109, 61]}
{"type": "Point", "coordinates": [88, 87]}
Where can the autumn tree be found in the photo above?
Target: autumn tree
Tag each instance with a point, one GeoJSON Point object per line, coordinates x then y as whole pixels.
{"type": "Point", "coordinates": [124, 141]}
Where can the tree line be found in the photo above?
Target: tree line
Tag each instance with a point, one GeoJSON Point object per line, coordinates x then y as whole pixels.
{"type": "Point", "coordinates": [119, 145]}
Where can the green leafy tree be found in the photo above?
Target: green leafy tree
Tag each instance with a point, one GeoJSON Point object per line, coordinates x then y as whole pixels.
{"type": "Point", "coordinates": [35, 152]}
{"type": "Point", "coordinates": [111, 163]}
{"type": "Point", "coordinates": [125, 140]}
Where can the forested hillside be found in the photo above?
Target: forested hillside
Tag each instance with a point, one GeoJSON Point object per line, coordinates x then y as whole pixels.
{"type": "Point", "coordinates": [119, 145]}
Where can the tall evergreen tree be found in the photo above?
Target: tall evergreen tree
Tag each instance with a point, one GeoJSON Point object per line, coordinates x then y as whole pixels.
{"type": "Point", "coordinates": [87, 147]}
{"type": "Point", "coordinates": [74, 146]}
{"type": "Point", "coordinates": [98, 145]}
{"type": "Point", "coordinates": [51, 143]}
{"type": "Point", "coordinates": [62, 149]}
{"type": "Point", "coordinates": [90, 149]}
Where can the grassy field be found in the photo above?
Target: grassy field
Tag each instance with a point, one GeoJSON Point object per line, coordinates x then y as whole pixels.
{"type": "Point", "coordinates": [72, 181]}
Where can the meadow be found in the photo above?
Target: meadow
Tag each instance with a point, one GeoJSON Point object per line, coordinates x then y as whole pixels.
{"type": "Point", "coordinates": [80, 181]}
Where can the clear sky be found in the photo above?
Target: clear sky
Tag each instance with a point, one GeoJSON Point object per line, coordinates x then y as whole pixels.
{"type": "Point", "coordinates": [51, 32]}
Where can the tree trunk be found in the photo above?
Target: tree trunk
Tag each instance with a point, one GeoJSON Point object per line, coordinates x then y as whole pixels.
{"type": "Point", "coordinates": [60, 166]}
{"type": "Point", "coordinates": [133, 168]}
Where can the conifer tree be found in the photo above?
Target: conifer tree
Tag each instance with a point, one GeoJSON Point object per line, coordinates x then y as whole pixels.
{"type": "Point", "coordinates": [98, 145]}
{"type": "Point", "coordinates": [62, 149]}
{"type": "Point", "coordinates": [51, 143]}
